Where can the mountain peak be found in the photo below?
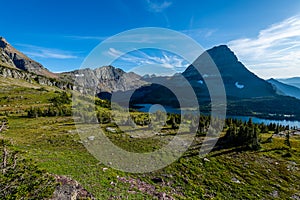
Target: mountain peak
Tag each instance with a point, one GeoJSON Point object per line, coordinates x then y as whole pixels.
{"type": "Point", "coordinates": [239, 82]}
{"type": "Point", "coordinates": [13, 58]}
{"type": "Point", "coordinates": [222, 46]}
{"type": "Point", "coordinates": [3, 42]}
{"type": "Point", "coordinates": [111, 68]}
{"type": "Point", "coordinates": [104, 80]}
{"type": "Point", "coordinates": [222, 54]}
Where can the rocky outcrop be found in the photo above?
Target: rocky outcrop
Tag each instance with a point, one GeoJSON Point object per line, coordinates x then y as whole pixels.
{"type": "Point", "coordinates": [137, 184]}
{"type": "Point", "coordinates": [13, 58]}
{"type": "Point", "coordinates": [104, 79]}
{"type": "Point", "coordinates": [14, 64]}
{"type": "Point", "coordinates": [10, 72]}
{"type": "Point", "coordinates": [69, 189]}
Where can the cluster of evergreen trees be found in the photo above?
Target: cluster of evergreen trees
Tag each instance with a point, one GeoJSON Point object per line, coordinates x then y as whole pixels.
{"type": "Point", "coordinates": [238, 133]}
{"type": "Point", "coordinates": [51, 111]}
{"type": "Point", "coordinates": [243, 134]}
{"type": "Point", "coordinates": [60, 107]}
{"type": "Point", "coordinates": [264, 128]}
{"type": "Point", "coordinates": [61, 99]}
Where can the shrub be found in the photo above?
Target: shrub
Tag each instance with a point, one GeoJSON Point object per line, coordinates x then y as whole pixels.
{"type": "Point", "coordinates": [21, 178]}
{"type": "Point", "coordinates": [63, 98]}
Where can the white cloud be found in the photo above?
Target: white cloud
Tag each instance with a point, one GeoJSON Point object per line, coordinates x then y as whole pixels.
{"type": "Point", "coordinates": [199, 33]}
{"type": "Point", "coordinates": [139, 59]}
{"type": "Point", "coordinates": [42, 52]}
{"type": "Point", "coordinates": [275, 52]}
{"type": "Point", "coordinates": [114, 52]}
{"type": "Point", "coordinates": [158, 6]}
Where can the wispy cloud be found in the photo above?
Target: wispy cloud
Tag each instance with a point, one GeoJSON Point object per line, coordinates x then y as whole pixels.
{"type": "Point", "coordinates": [42, 52]}
{"type": "Point", "coordinates": [275, 52]}
{"type": "Point", "coordinates": [154, 6]}
{"type": "Point", "coordinates": [199, 32]}
{"type": "Point", "coordinates": [140, 58]}
{"type": "Point", "coordinates": [114, 52]}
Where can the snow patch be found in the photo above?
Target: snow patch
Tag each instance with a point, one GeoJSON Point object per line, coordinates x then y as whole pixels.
{"type": "Point", "coordinates": [239, 86]}
{"type": "Point", "coordinates": [200, 81]}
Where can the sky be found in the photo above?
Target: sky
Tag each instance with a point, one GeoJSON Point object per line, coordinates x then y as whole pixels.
{"type": "Point", "coordinates": [264, 34]}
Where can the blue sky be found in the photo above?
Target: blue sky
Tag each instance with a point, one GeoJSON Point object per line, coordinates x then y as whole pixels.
{"type": "Point", "coordinates": [264, 34]}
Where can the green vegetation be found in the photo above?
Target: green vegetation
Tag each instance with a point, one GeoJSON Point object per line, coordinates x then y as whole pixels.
{"type": "Point", "coordinates": [60, 107]}
{"type": "Point", "coordinates": [21, 178]}
{"type": "Point", "coordinates": [231, 171]}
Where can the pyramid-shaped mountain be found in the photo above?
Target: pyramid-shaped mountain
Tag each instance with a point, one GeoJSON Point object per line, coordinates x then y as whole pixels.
{"type": "Point", "coordinates": [239, 82]}
{"type": "Point", "coordinates": [246, 93]}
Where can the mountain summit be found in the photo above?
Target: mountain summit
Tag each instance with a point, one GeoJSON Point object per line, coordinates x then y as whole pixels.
{"type": "Point", "coordinates": [106, 79]}
{"type": "Point", "coordinates": [11, 57]}
{"type": "Point", "coordinates": [239, 82]}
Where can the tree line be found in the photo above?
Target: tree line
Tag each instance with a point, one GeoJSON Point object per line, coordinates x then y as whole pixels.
{"type": "Point", "coordinates": [60, 106]}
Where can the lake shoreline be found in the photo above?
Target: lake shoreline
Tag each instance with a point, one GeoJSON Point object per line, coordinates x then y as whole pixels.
{"type": "Point", "coordinates": [258, 118]}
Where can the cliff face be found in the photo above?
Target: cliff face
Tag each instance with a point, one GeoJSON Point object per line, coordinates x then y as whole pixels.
{"type": "Point", "coordinates": [10, 72]}
{"type": "Point", "coordinates": [13, 58]}
{"type": "Point", "coordinates": [14, 64]}
{"type": "Point", "coordinates": [104, 79]}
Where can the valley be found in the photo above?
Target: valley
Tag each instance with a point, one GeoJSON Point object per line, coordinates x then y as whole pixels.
{"type": "Point", "coordinates": [250, 160]}
{"type": "Point", "coordinates": [150, 100]}
{"type": "Point", "coordinates": [232, 172]}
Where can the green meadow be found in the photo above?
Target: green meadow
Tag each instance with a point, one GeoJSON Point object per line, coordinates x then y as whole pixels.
{"type": "Point", "coordinates": [53, 145]}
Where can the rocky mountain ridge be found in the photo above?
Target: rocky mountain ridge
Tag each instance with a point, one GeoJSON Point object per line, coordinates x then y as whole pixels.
{"type": "Point", "coordinates": [294, 81]}
{"type": "Point", "coordinates": [11, 57]}
{"type": "Point", "coordinates": [106, 79]}
{"type": "Point", "coordinates": [9, 72]}
{"type": "Point", "coordinates": [14, 64]}
{"type": "Point", "coordinates": [285, 89]}
{"type": "Point", "coordinates": [243, 88]}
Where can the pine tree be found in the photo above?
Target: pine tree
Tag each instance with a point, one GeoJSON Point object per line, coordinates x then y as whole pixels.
{"type": "Point", "coordinates": [287, 140]}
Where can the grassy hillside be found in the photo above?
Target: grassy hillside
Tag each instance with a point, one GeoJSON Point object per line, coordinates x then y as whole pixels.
{"type": "Point", "coordinates": [226, 173]}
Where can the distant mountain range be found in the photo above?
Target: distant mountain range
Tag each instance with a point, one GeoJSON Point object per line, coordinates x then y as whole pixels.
{"type": "Point", "coordinates": [105, 79]}
{"type": "Point", "coordinates": [285, 89]}
{"type": "Point", "coordinates": [239, 82]}
{"type": "Point", "coordinates": [247, 94]}
{"type": "Point", "coordinates": [295, 81]}
{"type": "Point", "coordinates": [15, 64]}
